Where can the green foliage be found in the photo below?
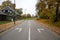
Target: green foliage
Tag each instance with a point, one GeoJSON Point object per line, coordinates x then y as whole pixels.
{"type": "Point", "coordinates": [7, 3]}
{"type": "Point", "coordinates": [48, 9]}
{"type": "Point", "coordinates": [37, 18]}
{"type": "Point", "coordinates": [52, 17]}
{"type": "Point", "coordinates": [28, 16]}
{"type": "Point", "coordinates": [4, 22]}
{"type": "Point", "coordinates": [19, 11]}
{"type": "Point", "coordinates": [43, 16]}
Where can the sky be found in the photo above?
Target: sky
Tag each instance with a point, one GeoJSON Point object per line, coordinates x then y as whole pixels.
{"type": "Point", "coordinates": [29, 6]}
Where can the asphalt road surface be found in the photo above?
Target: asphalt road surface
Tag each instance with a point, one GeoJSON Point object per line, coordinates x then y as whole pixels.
{"type": "Point", "coordinates": [29, 30]}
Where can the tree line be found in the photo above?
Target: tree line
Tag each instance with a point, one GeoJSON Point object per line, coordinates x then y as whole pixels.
{"type": "Point", "coordinates": [48, 9]}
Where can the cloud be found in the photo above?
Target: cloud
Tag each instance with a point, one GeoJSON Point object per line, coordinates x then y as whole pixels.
{"type": "Point", "coordinates": [27, 5]}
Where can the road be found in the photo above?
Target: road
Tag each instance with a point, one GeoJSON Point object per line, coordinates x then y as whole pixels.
{"type": "Point", "coordinates": [29, 30]}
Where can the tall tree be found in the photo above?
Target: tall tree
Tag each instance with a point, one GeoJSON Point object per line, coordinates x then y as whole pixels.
{"type": "Point", "coordinates": [19, 11]}
{"type": "Point", "coordinates": [40, 6]}
{"type": "Point", "coordinates": [28, 15]}
{"type": "Point", "coordinates": [7, 3]}
{"type": "Point", "coordinates": [57, 9]}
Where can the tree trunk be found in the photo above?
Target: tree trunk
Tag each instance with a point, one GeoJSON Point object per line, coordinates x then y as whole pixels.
{"type": "Point", "coordinates": [57, 9]}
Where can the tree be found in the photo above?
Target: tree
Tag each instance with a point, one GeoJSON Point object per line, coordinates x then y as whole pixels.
{"type": "Point", "coordinates": [57, 9]}
{"type": "Point", "coordinates": [52, 9]}
{"type": "Point", "coordinates": [19, 11]}
{"type": "Point", "coordinates": [41, 5]}
{"type": "Point", "coordinates": [24, 15]}
{"type": "Point", "coordinates": [7, 3]}
{"type": "Point", "coordinates": [51, 3]}
{"type": "Point", "coordinates": [28, 15]}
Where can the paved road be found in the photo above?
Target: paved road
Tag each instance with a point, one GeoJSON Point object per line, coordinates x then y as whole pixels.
{"type": "Point", "coordinates": [29, 30]}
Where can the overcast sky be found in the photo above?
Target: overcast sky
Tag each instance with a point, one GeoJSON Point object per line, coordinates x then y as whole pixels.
{"type": "Point", "coordinates": [27, 5]}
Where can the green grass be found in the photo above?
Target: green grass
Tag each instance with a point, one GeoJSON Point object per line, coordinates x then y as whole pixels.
{"type": "Point", "coordinates": [4, 22]}
{"type": "Point", "coordinates": [28, 18]}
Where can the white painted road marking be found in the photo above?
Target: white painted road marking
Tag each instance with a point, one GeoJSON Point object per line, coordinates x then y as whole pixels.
{"type": "Point", "coordinates": [19, 29]}
{"type": "Point", "coordinates": [40, 30]}
{"type": "Point", "coordinates": [16, 28]}
{"type": "Point", "coordinates": [29, 32]}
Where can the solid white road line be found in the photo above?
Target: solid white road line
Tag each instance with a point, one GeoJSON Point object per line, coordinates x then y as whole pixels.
{"type": "Point", "coordinates": [29, 31]}
{"type": "Point", "coordinates": [40, 30]}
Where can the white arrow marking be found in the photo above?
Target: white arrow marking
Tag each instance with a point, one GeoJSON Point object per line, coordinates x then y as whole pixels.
{"type": "Point", "coordinates": [39, 30]}
{"type": "Point", "coordinates": [19, 29]}
{"type": "Point", "coordinates": [16, 28]}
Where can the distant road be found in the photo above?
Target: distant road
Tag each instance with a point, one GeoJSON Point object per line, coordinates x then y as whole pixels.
{"type": "Point", "coordinates": [29, 30]}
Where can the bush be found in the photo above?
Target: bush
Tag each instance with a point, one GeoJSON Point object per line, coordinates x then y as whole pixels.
{"type": "Point", "coordinates": [37, 18]}
{"type": "Point", "coordinates": [44, 16]}
{"type": "Point", "coordinates": [53, 18]}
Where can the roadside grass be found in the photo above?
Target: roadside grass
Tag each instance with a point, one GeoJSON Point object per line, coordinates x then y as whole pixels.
{"type": "Point", "coordinates": [4, 22]}
{"type": "Point", "coordinates": [54, 26]}
{"type": "Point", "coordinates": [47, 21]}
{"type": "Point", "coordinates": [4, 25]}
{"type": "Point", "coordinates": [57, 24]}
{"type": "Point", "coordinates": [8, 25]}
{"type": "Point", "coordinates": [27, 18]}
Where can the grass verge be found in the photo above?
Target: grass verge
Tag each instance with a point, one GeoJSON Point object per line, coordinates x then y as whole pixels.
{"type": "Point", "coordinates": [7, 26]}
{"type": "Point", "coordinates": [4, 22]}
{"type": "Point", "coordinates": [54, 26]}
